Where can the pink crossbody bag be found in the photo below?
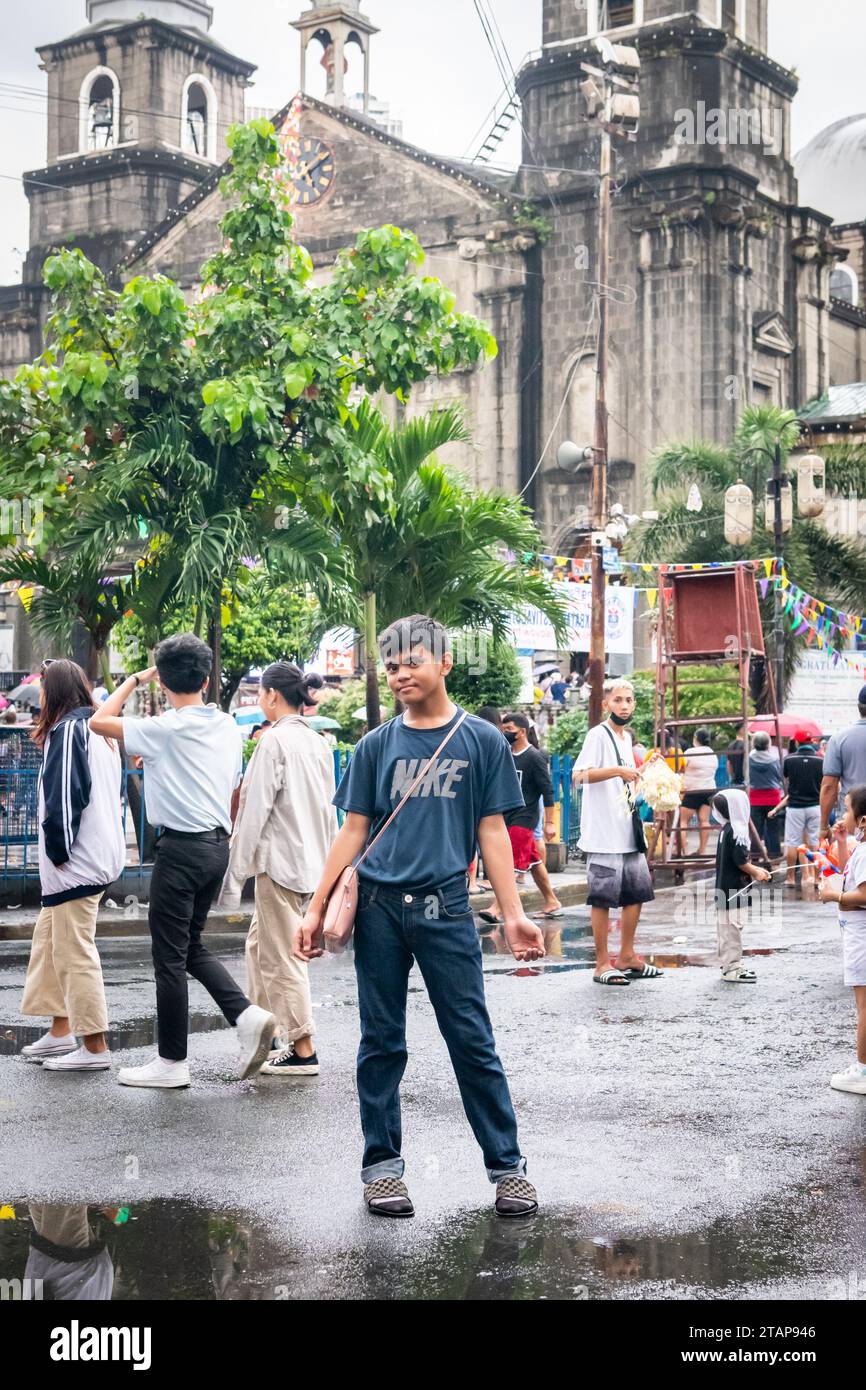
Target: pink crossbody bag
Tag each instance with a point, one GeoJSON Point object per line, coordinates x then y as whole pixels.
{"type": "Point", "coordinates": [342, 906]}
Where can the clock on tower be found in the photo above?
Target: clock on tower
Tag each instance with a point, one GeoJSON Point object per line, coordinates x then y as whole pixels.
{"type": "Point", "coordinates": [313, 172]}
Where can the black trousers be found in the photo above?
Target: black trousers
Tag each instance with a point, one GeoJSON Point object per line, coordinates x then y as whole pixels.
{"type": "Point", "coordinates": [187, 875]}
{"type": "Point", "coordinates": [767, 829]}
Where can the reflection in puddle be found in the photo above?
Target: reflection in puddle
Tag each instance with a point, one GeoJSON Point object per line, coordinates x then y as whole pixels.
{"type": "Point", "coordinates": [136, 1032]}
{"type": "Point", "coordinates": [172, 1250]}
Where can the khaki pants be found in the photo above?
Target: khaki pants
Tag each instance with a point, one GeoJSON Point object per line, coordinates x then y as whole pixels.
{"type": "Point", "coordinates": [64, 976]}
{"type": "Point", "coordinates": [730, 924]}
{"type": "Point", "coordinates": [277, 980]}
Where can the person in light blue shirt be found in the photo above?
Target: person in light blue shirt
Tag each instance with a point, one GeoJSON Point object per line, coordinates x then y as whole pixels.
{"type": "Point", "coordinates": [192, 758]}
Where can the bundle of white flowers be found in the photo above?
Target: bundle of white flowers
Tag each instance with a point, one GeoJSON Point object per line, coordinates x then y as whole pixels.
{"type": "Point", "coordinates": [661, 788]}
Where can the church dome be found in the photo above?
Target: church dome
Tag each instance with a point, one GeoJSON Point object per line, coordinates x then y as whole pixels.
{"type": "Point", "coordinates": [831, 170]}
{"type": "Point", "coordinates": [188, 14]}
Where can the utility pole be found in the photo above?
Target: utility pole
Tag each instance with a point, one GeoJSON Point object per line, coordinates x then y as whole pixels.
{"type": "Point", "coordinates": [778, 634]}
{"type": "Point", "coordinates": [599, 456]}
{"type": "Point", "coordinates": [611, 94]}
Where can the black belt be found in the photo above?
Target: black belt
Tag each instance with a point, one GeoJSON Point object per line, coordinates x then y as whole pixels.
{"type": "Point", "coordinates": [214, 836]}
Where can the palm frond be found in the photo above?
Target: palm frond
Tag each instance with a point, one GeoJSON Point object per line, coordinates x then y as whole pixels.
{"type": "Point", "coordinates": [677, 466]}
{"type": "Point", "coordinates": [846, 469]}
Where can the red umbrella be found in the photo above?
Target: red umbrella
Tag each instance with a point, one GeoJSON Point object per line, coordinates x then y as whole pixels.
{"type": "Point", "coordinates": [789, 725]}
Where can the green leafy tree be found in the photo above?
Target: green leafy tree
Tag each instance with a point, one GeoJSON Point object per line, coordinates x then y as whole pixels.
{"type": "Point", "coordinates": [427, 541]}
{"type": "Point", "coordinates": [265, 623]}
{"type": "Point", "coordinates": [821, 563]}
{"type": "Point", "coordinates": [488, 674]}
{"type": "Point", "coordinates": [351, 696]}
{"type": "Point", "coordinates": [220, 430]}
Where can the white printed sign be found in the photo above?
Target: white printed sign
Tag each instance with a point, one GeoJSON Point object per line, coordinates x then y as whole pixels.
{"type": "Point", "coordinates": [533, 631]}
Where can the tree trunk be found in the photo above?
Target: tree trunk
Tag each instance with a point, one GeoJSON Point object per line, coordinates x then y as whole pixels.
{"type": "Point", "coordinates": [373, 711]}
{"type": "Point", "coordinates": [105, 667]}
{"type": "Point", "coordinates": [215, 638]}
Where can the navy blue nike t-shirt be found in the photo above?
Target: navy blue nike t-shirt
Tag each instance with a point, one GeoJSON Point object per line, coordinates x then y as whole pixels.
{"type": "Point", "coordinates": [433, 838]}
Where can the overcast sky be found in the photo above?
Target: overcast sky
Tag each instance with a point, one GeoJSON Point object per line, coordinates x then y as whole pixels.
{"type": "Point", "coordinates": [430, 62]}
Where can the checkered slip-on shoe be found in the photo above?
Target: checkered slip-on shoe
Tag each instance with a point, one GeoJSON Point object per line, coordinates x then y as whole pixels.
{"type": "Point", "coordinates": [388, 1197]}
{"type": "Point", "coordinates": [515, 1196]}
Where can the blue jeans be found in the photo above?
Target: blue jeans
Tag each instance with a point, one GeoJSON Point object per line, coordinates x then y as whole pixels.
{"type": "Point", "coordinates": [434, 926]}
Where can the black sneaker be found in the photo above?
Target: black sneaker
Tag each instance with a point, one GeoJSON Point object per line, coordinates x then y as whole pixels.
{"type": "Point", "coordinates": [388, 1197]}
{"type": "Point", "coordinates": [515, 1196]}
{"type": "Point", "coordinates": [288, 1063]}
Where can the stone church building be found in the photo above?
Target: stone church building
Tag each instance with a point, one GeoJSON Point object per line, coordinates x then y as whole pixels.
{"type": "Point", "coordinates": [720, 290]}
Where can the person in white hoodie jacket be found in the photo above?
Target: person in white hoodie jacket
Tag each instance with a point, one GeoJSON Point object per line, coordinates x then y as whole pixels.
{"type": "Point", "coordinates": [284, 829]}
{"type": "Point", "coordinates": [81, 851]}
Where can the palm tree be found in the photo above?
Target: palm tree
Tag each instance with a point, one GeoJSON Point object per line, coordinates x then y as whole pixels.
{"type": "Point", "coordinates": [428, 542]}
{"type": "Point", "coordinates": [202, 513]}
{"type": "Point", "coordinates": [821, 563]}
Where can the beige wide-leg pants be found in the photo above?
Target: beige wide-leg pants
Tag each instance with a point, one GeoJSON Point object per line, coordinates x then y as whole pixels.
{"type": "Point", "coordinates": [277, 980]}
{"type": "Point", "coordinates": [64, 976]}
{"type": "Point", "coordinates": [730, 924]}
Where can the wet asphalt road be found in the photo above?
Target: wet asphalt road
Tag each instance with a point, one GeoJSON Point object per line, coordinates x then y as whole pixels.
{"type": "Point", "coordinates": [681, 1132]}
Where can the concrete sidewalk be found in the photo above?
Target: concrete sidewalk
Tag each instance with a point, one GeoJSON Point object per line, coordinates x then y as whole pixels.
{"type": "Point", "coordinates": [128, 916]}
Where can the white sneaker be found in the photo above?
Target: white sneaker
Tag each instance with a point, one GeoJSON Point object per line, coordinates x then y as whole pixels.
{"type": "Point", "coordinates": [157, 1073]}
{"type": "Point", "coordinates": [49, 1046]}
{"type": "Point", "coordinates": [854, 1079]}
{"type": "Point", "coordinates": [739, 976]}
{"type": "Point", "coordinates": [256, 1028]}
{"type": "Point", "coordinates": [79, 1060]}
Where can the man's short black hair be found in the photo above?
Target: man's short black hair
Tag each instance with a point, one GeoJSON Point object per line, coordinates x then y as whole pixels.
{"type": "Point", "coordinates": [519, 719]}
{"type": "Point", "coordinates": [417, 630]}
{"type": "Point", "coordinates": [184, 663]}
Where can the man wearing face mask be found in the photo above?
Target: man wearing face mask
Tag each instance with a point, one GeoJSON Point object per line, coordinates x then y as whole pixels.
{"type": "Point", "coordinates": [535, 784]}
{"type": "Point", "coordinates": [618, 875]}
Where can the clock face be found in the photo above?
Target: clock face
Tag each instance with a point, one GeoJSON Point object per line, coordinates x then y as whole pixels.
{"type": "Point", "coordinates": [314, 172]}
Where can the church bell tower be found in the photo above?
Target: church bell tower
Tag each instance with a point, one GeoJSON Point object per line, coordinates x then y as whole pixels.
{"type": "Point", "coordinates": [139, 105]}
{"type": "Point", "coordinates": [336, 26]}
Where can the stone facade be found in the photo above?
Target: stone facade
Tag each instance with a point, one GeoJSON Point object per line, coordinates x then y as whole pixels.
{"type": "Point", "coordinates": [719, 288]}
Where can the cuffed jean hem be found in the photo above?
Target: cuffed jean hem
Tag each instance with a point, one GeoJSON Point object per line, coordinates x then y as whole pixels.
{"type": "Point", "coordinates": [388, 1168]}
{"type": "Point", "coordinates": [496, 1174]}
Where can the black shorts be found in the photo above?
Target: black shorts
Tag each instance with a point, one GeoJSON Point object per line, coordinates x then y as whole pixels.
{"type": "Point", "coordinates": [693, 801]}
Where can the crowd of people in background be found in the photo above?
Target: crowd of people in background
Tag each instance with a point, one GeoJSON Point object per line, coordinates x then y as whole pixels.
{"type": "Point", "coordinates": [431, 801]}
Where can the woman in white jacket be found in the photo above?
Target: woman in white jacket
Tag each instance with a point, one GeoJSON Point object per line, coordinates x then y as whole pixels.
{"type": "Point", "coordinates": [81, 851]}
{"type": "Point", "coordinates": [284, 829]}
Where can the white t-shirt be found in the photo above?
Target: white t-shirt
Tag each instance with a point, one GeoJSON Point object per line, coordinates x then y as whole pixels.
{"type": "Point", "coordinates": [605, 816]}
{"type": "Point", "coordinates": [853, 874]}
{"type": "Point", "coordinates": [700, 769]}
{"type": "Point", "coordinates": [192, 763]}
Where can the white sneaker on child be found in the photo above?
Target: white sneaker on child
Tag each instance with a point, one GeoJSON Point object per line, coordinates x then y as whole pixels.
{"type": "Point", "coordinates": [854, 1080]}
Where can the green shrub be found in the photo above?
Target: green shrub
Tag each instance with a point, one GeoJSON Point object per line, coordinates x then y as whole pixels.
{"type": "Point", "coordinates": [498, 685]}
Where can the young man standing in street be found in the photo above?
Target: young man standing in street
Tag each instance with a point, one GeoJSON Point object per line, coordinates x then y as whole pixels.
{"type": "Point", "coordinates": [414, 906]}
{"type": "Point", "coordinates": [617, 871]}
{"type": "Point", "coordinates": [192, 758]}
{"type": "Point", "coordinates": [533, 775]}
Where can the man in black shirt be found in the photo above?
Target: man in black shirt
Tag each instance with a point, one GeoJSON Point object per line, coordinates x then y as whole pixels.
{"type": "Point", "coordinates": [535, 785]}
{"type": "Point", "coordinates": [803, 773]}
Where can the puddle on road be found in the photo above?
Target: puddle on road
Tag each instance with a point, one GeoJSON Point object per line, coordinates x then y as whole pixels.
{"type": "Point", "coordinates": [174, 1250]}
{"type": "Point", "coordinates": [136, 1032]}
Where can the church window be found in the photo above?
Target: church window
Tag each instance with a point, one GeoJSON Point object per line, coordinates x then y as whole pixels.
{"type": "Point", "coordinates": [198, 118]}
{"type": "Point", "coordinates": [100, 110]}
{"type": "Point", "coordinates": [728, 17]}
{"type": "Point", "coordinates": [616, 14]}
{"type": "Point", "coordinates": [843, 284]}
